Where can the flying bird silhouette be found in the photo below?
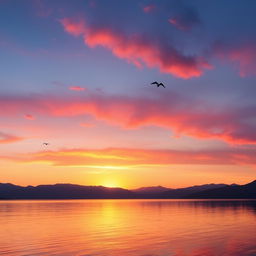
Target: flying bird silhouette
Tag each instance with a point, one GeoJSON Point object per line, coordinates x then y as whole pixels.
{"type": "Point", "coordinates": [158, 84]}
{"type": "Point", "coordinates": [46, 143]}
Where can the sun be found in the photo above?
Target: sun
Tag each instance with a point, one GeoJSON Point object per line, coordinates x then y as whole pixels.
{"type": "Point", "coordinates": [110, 184]}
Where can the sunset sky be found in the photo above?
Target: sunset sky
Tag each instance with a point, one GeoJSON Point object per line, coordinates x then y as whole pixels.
{"type": "Point", "coordinates": [76, 74]}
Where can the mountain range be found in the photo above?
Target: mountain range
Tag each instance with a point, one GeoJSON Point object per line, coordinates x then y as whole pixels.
{"type": "Point", "coordinates": [71, 191]}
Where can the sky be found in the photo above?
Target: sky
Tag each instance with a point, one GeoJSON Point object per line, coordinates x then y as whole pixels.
{"type": "Point", "coordinates": [77, 75]}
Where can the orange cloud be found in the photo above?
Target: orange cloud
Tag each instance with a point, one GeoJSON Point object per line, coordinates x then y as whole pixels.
{"type": "Point", "coordinates": [182, 115]}
{"type": "Point", "coordinates": [125, 157]}
{"type": "Point", "coordinates": [138, 50]}
{"type": "Point", "coordinates": [76, 88]}
{"type": "Point", "coordinates": [8, 138]}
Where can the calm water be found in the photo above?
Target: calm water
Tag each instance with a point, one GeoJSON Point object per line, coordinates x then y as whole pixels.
{"type": "Point", "coordinates": [128, 227]}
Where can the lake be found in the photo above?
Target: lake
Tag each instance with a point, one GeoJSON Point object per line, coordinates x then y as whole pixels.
{"type": "Point", "coordinates": [128, 227]}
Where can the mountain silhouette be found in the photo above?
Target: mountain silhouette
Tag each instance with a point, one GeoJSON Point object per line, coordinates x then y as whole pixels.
{"type": "Point", "coordinates": [62, 191]}
{"type": "Point", "coordinates": [229, 191]}
{"type": "Point", "coordinates": [151, 190]}
{"type": "Point", "coordinates": [71, 191]}
{"type": "Point", "coordinates": [163, 192]}
{"type": "Point", "coordinates": [184, 192]}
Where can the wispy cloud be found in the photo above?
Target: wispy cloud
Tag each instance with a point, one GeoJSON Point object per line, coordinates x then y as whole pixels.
{"type": "Point", "coordinates": [138, 50]}
{"type": "Point", "coordinates": [76, 88]}
{"type": "Point", "coordinates": [242, 55]}
{"type": "Point", "coordinates": [137, 157]}
{"type": "Point", "coordinates": [184, 116]}
{"type": "Point", "coordinates": [186, 19]}
{"type": "Point", "coordinates": [29, 117]}
{"type": "Point", "coordinates": [149, 8]}
{"type": "Point", "coordinates": [9, 138]}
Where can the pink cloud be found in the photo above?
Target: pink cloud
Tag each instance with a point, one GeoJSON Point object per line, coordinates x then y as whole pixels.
{"type": "Point", "coordinates": [73, 28]}
{"type": "Point", "coordinates": [176, 23]}
{"type": "Point", "coordinates": [243, 56]}
{"type": "Point", "coordinates": [29, 117]}
{"type": "Point", "coordinates": [149, 8]}
{"type": "Point", "coordinates": [8, 138]}
{"type": "Point", "coordinates": [138, 50]}
{"type": "Point", "coordinates": [76, 88]}
{"type": "Point", "coordinates": [185, 20]}
{"type": "Point", "coordinates": [182, 115]}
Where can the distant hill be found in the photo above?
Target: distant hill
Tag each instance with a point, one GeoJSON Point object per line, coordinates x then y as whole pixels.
{"type": "Point", "coordinates": [184, 192]}
{"type": "Point", "coordinates": [229, 191]}
{"type": "Point", "coordinates": [70, 191]}
{"type": "Point", "coordinates": [151, 190]}
{"type": "Point", "coordinates": [62, 191]}
{"type": "Point", "coordinates": [163, 192]}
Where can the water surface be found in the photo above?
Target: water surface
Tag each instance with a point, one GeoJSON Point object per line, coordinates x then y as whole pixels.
{"type": "Point", "coordinates": [128, 227]}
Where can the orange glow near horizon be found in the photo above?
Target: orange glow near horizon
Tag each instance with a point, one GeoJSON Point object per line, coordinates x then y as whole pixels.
{"type": "Point", "coordinates": [110, 184]}
{"type": "Point", "coordinates": [172, 176]}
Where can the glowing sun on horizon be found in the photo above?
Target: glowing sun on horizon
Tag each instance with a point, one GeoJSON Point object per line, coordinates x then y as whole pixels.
{"type": "Point", "coordinates": [110, 184]}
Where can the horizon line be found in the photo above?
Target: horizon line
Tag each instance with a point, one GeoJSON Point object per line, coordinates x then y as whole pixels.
{"type": "Point", "coordinates": [153, 186]}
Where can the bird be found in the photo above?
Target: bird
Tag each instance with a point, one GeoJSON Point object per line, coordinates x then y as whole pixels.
{"type": "Point", "coordinates": [158, 84]}
{"type": "Point", "coordinates": [46, 143]}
